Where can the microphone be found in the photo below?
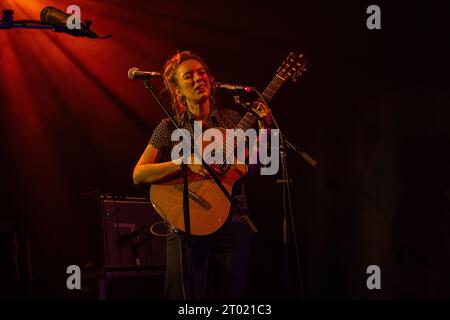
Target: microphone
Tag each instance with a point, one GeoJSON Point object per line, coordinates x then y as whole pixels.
{"type": "Point", "coordinates": [135, 74]}
{"type": "Point", "coordinates": [233, 87]}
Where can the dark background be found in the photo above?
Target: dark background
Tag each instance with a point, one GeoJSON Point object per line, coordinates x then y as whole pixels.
{"type": "Point", "coordinates": [373, 109]}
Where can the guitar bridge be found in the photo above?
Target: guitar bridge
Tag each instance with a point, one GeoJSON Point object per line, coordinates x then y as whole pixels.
{"type": "Point", "coordinates": [196, 198]}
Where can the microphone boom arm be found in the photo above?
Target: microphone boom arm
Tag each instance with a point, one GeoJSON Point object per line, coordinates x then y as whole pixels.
{"type": "Point", "coordinates": [8, 22]}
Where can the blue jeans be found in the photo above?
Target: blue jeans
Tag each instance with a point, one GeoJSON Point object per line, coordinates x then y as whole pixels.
{"type": "Point", "coordinates": [219, 264]}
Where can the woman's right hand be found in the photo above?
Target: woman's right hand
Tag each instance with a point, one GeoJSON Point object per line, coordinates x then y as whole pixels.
{"type": "Point", "coordinates": [197, 168]}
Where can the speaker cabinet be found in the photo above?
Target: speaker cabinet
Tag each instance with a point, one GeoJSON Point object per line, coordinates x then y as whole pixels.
{"type": "Point", "coordinates": [124, 249]}
{"type": "Point", "coordinates": [133, 234]}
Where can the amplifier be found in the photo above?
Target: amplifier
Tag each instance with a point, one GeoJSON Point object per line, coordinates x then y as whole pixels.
{"type": "Point", "coordinates": [133, 234]}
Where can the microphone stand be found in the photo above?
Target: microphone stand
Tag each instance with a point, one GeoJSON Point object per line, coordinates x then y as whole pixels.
{"type": "Point", "coordinates": [188, 241]}
{"type": "Point", "coordinates": [285, 181]}
{"type": "Point", "coordinates": [288, 219]}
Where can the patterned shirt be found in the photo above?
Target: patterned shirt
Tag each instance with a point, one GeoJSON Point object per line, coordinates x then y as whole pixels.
{"type": "Point", "coordinates": [225, 118]}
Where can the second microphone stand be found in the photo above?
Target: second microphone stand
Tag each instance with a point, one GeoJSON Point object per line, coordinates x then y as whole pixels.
{"type": "Point", "coordinates": [288, 215]}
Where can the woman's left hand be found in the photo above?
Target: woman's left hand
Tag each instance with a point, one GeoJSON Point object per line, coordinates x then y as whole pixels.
{"type": "Point", "coordinates": [264, 112]}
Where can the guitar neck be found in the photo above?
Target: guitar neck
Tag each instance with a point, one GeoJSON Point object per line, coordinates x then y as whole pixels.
{"type": "Point", "coordinates": [249, 119]}
{"type": "Point", "coordinates": [272, 88]}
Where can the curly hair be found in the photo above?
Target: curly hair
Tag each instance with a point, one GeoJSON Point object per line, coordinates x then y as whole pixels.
{"type": "Point", "coordinates": [179, 104]}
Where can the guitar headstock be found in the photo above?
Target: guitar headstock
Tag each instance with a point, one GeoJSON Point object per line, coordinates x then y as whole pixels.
{"type": "Point", "coordinates": [292, 67]}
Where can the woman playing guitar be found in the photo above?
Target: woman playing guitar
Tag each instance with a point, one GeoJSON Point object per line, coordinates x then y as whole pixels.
{"type": "Point", "coordinates": [220, 258]}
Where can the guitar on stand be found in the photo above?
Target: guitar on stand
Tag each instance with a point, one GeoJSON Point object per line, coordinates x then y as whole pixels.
{"type": "Point", "coordinates": [209, 207]}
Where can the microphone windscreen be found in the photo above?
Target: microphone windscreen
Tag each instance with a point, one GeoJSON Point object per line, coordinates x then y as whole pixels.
{"type": "Point", "coordinates": [131, 73]}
